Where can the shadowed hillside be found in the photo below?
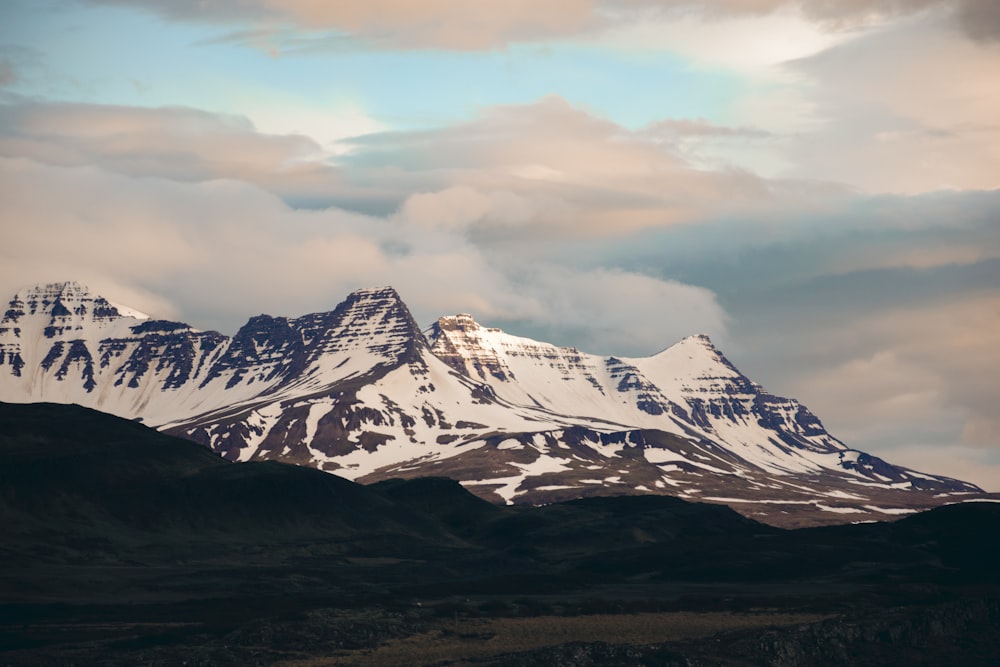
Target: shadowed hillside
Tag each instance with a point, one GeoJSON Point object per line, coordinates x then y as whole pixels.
{"type": "Point", "coordinates": [123, 545]}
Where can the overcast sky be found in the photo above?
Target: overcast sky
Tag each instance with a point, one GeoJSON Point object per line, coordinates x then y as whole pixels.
{"type": "Point", "coordinates": [815, 184]}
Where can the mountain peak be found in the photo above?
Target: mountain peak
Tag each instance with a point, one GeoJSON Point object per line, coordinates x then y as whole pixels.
{"type": "Point", "coordinates": [374, 319]}
{"type": "Point", "coordinates": [699, 338]}
{"type": "Point", "coordinates": [381, 302]}
{"type": "Point", "coordinates": [692, 357]}
{"type": "Point", "coordinates": [384, 293]}
{"type": "Point", "coordinates": [694, 346]}
{"type": "Point", "coordinates": [460, 322]}
{"type": "Point", "coordinates": [64, 306]}
{"type": "Point", "coordinates": [468, 347]}
{"type": "Point", "coordinates": [695, 342]}
{"type": "Point", "coordinates": [69, 289]}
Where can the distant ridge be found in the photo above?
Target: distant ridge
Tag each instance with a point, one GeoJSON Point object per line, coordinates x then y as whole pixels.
{"type": "Point", "coordinates": [362, 392]}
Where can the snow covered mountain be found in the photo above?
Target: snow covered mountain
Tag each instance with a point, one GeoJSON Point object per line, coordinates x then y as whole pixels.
{"type": "Point", "coordinates": [360, 391]}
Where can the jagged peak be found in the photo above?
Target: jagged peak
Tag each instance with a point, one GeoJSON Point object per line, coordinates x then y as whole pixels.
{"type": "Point", "coordinates": [384, 300]}
{"type": "Point", "coordinates": [700, 338]}
{"type": "Point", "coordinates": [695, 340]}
{"type": "Point", "coordinates": [699, 345]}
{"type": "Point", "coordinates": [64, 299]}
{"type": "Point", "coordinates": [67, 299]}
{"type": "Point", "coordinates": [67, 288]}
{"type": "Point", "coordinates": [694, 356]}
{"type": "Point", "coordinates": [459, 322]}
{"type": "Point", "coordinates": [385, 292]}
{"type": "Point", "coordinates": [462, 324]}
{"type": "Point", "coordinates": [374, 300]}
{"type": "Point", "coordinates": [376, 319]}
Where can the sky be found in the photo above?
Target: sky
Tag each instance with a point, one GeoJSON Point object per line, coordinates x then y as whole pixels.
{"type": "Point", "coordinates": [813, 183]}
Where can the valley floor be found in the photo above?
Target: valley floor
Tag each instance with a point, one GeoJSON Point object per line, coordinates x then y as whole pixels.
{"type": "Point", "coordinates": [120, 546]}
{"type": "Point", "coordinates": [173, 615]}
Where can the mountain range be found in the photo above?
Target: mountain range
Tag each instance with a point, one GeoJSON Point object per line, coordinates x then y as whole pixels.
{"type": "Point", "coordinates": [362, 392]}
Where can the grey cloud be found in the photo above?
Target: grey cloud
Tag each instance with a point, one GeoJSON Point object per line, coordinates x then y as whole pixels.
{"type": "Point", "coordinates": [981, 19]}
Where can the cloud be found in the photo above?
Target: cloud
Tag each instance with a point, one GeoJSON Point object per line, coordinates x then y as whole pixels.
{"type": "Point", "coordinates": [908, 109]}
{"type": "Point", "coordinates": [450, 24]}
{"type": "Point", "coordinates": [181, 144]}
{"type": "Point", "coordinates": [571, 173]}
{"type": "Point", "coordinates": [699, 127]}
{"type": "Point", "coordinates": [456, 25]}
{"type": "Point", "coordinates": [177, 143]}
{"type": "Point", "coordinates": [546, 168]}
{"type": "Point", "coordinates": [980, 19]}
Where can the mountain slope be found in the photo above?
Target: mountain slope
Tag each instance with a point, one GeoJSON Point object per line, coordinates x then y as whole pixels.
{"type": "Point", "coordinates": [76, 481]}
{"type": "Point", "coordinates": [362, 392]}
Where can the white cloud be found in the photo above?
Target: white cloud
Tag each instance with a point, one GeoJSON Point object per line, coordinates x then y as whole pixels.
{"type": "Point", "coordinates": [326, 124]}
{"type": "Point", "coordinates": [744, 42]}
{"type": "Point", "coordinates": [907, 109]}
